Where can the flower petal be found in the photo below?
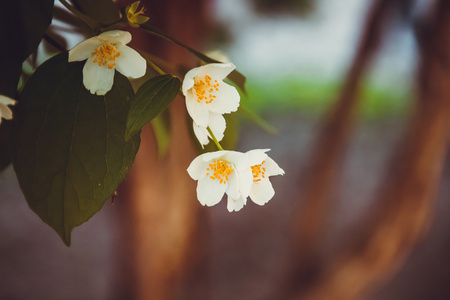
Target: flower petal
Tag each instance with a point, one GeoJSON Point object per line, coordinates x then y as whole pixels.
{"type": "Point", "coordinates": [208, 157]}
{"type": "Point", "coordinates": [115, 36]}
{"type": "Point", "coordinates": [209, 191]}
{"type": "Point", "coordinates": [197, 168]}
{"type": "Point", "coordinates": [226, 101]}
{"type": "Point", "coordinates": [5, 112]}
{"type": "Point", "coordinates": [84, 49]}
{"type": "Point", "coordinates": [201, 133]}
{"type": "Point", "coordinates": [134, 6]}
{"type": "Point", "coordinates": [272, 167]}
{"type": "Point", "coordinates": [262, 191]}
{"type": "Point", "coordinates": [217, 71]}
{"type": "Point", "coordinates": [233, 185]}
{"type": "Point", "coordinates": [6, 100]}
{"type": "Point", "coordinates": [138, 19]}
{"type": "Point", "coordinates": [217, 125]}
{"type": "Point", "coordinates": [243, 169]}
{"type": "Point", "coordinates": [130, 63]}
{"type": "Point", "coordinates": [235, 204]}
{"type": "Point", "coordinates": [198, 111]}
{"type": "Point", "coordinates": [257, 156]}
{"type": "Point", "coordinates": [97, 79]}
{"type": "Point", "coordinates": [188, 81]}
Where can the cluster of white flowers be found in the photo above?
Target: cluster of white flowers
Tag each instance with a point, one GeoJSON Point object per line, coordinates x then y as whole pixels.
{"type": "Point", "coordinates": [208, 97]}
{"type": "Point", "coordinates": [239, 175]}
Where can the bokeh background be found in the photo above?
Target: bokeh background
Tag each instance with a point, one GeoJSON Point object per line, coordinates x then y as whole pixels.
{"type": "Point", "coordinates": [297, 56]}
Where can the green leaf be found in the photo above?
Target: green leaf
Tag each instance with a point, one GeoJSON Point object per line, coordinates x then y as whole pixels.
{"type": "Point", "coordinates": [151, 99]}
{"type": "Point", "coordinates": [22, 25]}
{"type": "Point", "coordinates": [69, 150]}
{"type": "Point", "coordinates": [234, 76]}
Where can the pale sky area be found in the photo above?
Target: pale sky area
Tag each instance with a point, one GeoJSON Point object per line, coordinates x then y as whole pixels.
{"type": "Point", "coordinates": [320, 46]}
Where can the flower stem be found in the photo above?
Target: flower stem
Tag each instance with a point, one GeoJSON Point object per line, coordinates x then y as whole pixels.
{"type": "Point", "coordinates": [156, 68]}
{"type": "Point", "coordinates": [214, 138]}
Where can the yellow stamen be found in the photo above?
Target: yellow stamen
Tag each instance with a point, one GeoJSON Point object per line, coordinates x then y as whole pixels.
{"type": "Point", "coordinates": [258, 172]}
{"type": "Point", "coordinates": [106, 55]}
{"type": "Point", "coordinates": [205, 90]}
{"type": "Point", "coordinates": [220, 170]}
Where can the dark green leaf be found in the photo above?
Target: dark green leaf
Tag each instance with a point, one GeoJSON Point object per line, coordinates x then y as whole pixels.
{"type": "Point", "coordinates": [69, 150]}
{"type": "Point", "coordinates": [22, 25]}
{"type": "Point", "coordinates": [151, 99]}
{"type": "Point", "coordinates": [235, 76]}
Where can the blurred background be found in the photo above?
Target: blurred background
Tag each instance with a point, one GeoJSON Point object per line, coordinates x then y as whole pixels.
{"type": "Point", "coordinates": [362, 212]}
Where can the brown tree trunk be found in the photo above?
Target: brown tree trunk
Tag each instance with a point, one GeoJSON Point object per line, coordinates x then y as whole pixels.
{"type": "Point", "coordinates": [163, 215]}
{"type": "Point", "coordinates": [406, 197]}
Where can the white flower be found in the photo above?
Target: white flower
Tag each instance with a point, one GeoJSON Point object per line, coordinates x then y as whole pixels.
{"type": "Point", "coordinates": [106, 53]}
{"type": "Point", "coordinates": [262, 167]}
{"type": "Point", "coordinates": [208, 97]}
{"type": "Point", "coordinates": [221, 172]}
{"type": "Point", "coordinates": [239, 175]}
{"type": "Point", "coordinates": [5, 111]}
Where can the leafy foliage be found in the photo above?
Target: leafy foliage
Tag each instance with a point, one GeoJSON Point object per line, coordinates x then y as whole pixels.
{"type": "Point", "coordinates": [151, 99]}
{"type": "Point", "coordinates": [69, 149]}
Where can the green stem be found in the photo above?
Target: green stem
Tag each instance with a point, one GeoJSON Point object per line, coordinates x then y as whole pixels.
{"type": "Point", "coordinates": [214, 139]}
{"type": "Point", "coordinates": [89, 21]}
{"type": "Point", "coordinates": [156, 68]}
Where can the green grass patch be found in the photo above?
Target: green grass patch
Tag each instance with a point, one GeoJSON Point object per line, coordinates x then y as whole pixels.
{"type": "Point", "coordinates": [314, 97]}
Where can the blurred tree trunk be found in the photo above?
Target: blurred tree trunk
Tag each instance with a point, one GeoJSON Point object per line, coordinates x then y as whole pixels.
{"type": "Point", "coordinates": [406, 197]}
{"type": "Point", "coordinates": [163, 221]}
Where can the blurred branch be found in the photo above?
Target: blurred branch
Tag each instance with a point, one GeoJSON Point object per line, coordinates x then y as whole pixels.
{"type": "Point", "coordinates": [406, 197]}
{"type": "Point", "coordinates": [323, 170]}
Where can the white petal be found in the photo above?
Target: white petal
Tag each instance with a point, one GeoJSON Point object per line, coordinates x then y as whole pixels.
{"type": "Point", "coordinates": [217, 125]}
{"type": "Point", "coordinates": [272, 167]}
{"type": "Point", "coordinates": [115, 36]}
{"type": "Point", "coordinates": [221, 154]}
{"type": "Point", "coordinates": [233, 185]}
{"type": "Point", "coordinates": [262, 191]}
{"type": "Point", "coordinates": [235, 204]}
{"type": "Point", "coordinates": [226, 101]}
{"type": "Point", "coordinates": [198, 112]}
{"type": "Point", "coordinates": [5, 112]}
{"type": "Point", "coordinates": [84, 49]}
{"type": "Point", "coordinates": [217, 71]}
{"type": "Point", "coordinates": [243, 170]}
{"type": "Point", "coordinates": [130, 63]}
{"type": "Point", "coordinates": [188, 81]}
{"type": "Point", "coordinates": [245, 181]}
{"type": "Point", "coordinates": [197, 168]}
{"type": "Point", "coordinates": [209, 191]}
{"type": "Point", "coordinates": [6, 100]}
{"type": "Point", "coordinates": [97, 79]}
{"type": "Point", "coordinates": [201, 133]}
{"type": "Point", "coordinates": [257, 156]}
